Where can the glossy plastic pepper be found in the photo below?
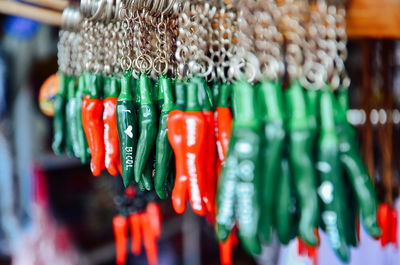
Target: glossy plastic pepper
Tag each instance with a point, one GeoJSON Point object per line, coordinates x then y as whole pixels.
{"type": "Point", "coordinates": [71, 130]}
{"type": "Point", "coordinates": [240, 175]}
{"type": "Point", "coordinates": [223, 116]}
{"type": "Point", "coordinates": [300, 159]}
{"type": "Point", "coordinates": [127, 129]}
{"type": "Point", "coordinates": [331, 189]}
{"type": "Point", "coordinates": [92, 120]}
{"type": "Point", "coordinates": [393, 228]}
{"type": "Point", "coordinates": [84, 151]}
{"type": "Point", "coordinates": [163, 147]}
{"type": "Point", "coordinates": [59, 116]}
{"type": "Point", "coordinates": [176, 131]}
{"type": "Point", "coordinates": [272, 115]}
{"type": "Point", "coordinates": [208, 157]}
{"type": "Point", "coordinates": [194, 135]}
{"type": "Point", "coordinates": [285, 208]}
{"type": "Point", "coordinates": [147, 126]}
{"type": "Point", "coordinates": [111, 142]}
{"type": "Point", "coordinates": [120, 225]}
{"type": "Point", "coordinates": [149, 239]}
{"type": "Point", "coordinates": [226, 248]}
{"type": "Point", "coordinates": [147, 175]}
{"type": "Point", "coordinates": [355, 168]}
{"type": "Point", "coordinates": [136, 233]}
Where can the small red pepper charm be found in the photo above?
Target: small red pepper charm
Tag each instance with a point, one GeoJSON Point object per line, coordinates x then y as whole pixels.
{"type": "Point", "coordinates": [194, 135]}
{"type": "Point", "coordinates": [154, 212]}
{"type": "Point", "coordinates": [149, 238]}
{"type": "Point", "coordinates": [226, 248]}
{"type": "Point", "coordinates": [120, 225]}
{"type": "Point", "coordinates": [393, 227]}
{"type": "Point", "coordinates": [92, 120]}
{"type": "Point", "coordinates": [208, 152]}
{"type": "Point", "coordinates": [176, 129]}
{"type": "Point", "coordinates": [136, 233]}
{"type": "Point", "coordinates": [112, 155]}
{"type": "Point", "coordinates": [223, 116]}
{"type": "Point", "coordinates": [384, 216]}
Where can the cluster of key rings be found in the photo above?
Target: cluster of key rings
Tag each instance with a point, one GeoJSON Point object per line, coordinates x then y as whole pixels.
{"type": "Point", "coordinates": [217, 40]}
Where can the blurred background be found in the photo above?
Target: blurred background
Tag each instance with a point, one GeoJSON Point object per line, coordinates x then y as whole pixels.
{"type": "Point", "coordinates": [53, 211]}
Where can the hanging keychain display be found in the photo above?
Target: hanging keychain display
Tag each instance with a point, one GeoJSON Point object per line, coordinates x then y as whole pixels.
{"type": "Point", "coordinates": [236, 108]}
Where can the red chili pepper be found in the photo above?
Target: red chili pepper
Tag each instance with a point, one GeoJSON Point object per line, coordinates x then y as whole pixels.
{"type": "Point", "coordinates": [120, 225]}
{"type": "Point", "coordinates": [224, 129]}
{"type": "Point", "coordinates": [195, 132]}
{"type": "Point", "coordinates": [393, 227]}
{"type": "Point", "coordinates": [92, 113]}
{"type": "Point", "coordinates": [112, 156]}
{"type": "Point", "coordinates": [226, 248]}
{"type": "Point", "coordinates": [176, 130]}
{"type": "Point", "coordinates": [208, 157]}
{"type": "Point", "coordinates": [154, 212]}
{"type": "Point", "coordinates": [384, 217]}
{"type": "Point", "coordinates": [149, 239]}
{"type": "Point", "coordinates": [136, 234]}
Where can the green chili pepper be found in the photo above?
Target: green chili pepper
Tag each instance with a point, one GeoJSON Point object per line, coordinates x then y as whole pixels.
{"type": "Point", "coordinates": [272, 114]}
{"type": "Point", "coordinates": [163, 148]}
{"type": "Point", "coordinates": [240, 175]}
{"type": "Point", "coordinates": [147, 126]}
{"type": "Point", "coordinates": [331, 190]}
{"type": "Point", "coordinates": [355, 167]}
{"type": "Point", "coordinates": [84, 151]}
{"type": "Point", "coordinates": [147, 175]}
{"type": "Point", "coordinates": [300, 158]}
{"type": "Point", "coordinates": [351, 214]}
{"type": "Point", "coordinates": [246, 142]}
{"type": "Point", "coordinates": [70, 131]}
{"type": "Point", "coordinates": [285, 207]}
{"type": "Point", "coordinates": [127, 128]}
{"type": "Point", "coordinates": [59, 116]}
{"type": "Point", "coordinates": [216, 85]}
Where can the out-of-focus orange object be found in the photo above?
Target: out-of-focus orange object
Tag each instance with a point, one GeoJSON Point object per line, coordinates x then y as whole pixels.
{"type": "Point", "coordinates": [47, 92]}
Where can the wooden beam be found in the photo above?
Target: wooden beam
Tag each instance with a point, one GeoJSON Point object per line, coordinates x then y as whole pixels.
{"type": "Point", "coordinates": [36, 13]}
{"type": "Point", "coordinates": [373, 19]}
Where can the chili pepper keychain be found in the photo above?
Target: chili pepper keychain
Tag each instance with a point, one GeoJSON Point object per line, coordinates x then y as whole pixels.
{"type": "Point", "coordinates": [240, 175]}
{"type": "Point", "coordinates": [120, 225]}
{"type": "Point", "coordinates": [193, 142]}
{"type": "Point", "coordinates": [136, 233]}
{"type": "Point", "coordinates": [71, 130]}
{"type": "Point", "coordinates": [147, 126]}
{"type": "Point", "coordinates": [127, 128]}
{"type": "Point", "coordinates": [84, 151]}
{"type": "Point", "coordinates": [331, 189]}
{"type": "Point", "coordinates": [59, 115]}
{"type": "Point", "coordinates": [208, 156]}
{"type": "Point", "coordinates": [176, 130]}
{"type": "Point", "coordinates": [354, 167]}
{"type": "Point", "coordinates": [223, 117]}
{"type": "Point", "coordinates": [300, 161]}
{"type": "Point", "coordinates": [286, 216]}
{"type": "Point", "coordinates": [92, 120]}
{"type": "Point", "coordinates": [163, 147]}
{"type": "Point", "coordinates": [111, 142]}
{"type": "Point", "coordinates": [272, 114]}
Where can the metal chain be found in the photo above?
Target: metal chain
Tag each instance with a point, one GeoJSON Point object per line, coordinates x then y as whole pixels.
{"type": "Point", "coordinates": [143, 61]}
{"type": "Point", "coordinates": [245, 63]}
{"type": "Point", "coordinates": [227, 40]}
{"type": "Point", "coordinates": [182, 51]}
{"type": "Point", "coordinates": [293, 16]}
{"type": "Point", "coordinates": [269, 40]}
